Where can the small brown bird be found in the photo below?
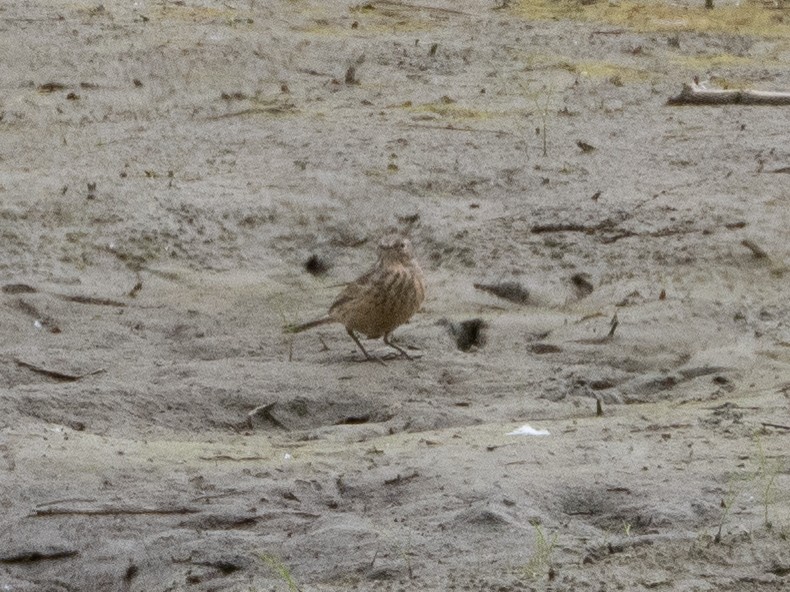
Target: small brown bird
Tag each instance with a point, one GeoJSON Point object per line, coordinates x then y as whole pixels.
{"type": "Point", "coordinates": [381, 300]}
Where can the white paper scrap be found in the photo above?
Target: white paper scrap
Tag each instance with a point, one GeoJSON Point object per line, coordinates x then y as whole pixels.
{"type": "Point", "coordinates": [527, 430]}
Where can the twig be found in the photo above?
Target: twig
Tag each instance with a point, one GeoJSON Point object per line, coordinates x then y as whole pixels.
{"type": "Point", "coordinates": [601, 340]}
{"type": "Point", "coordinates": [454, 128]}
{"type": "Point", "coordinates": [758, 252]}
{"type": "Point", "coordinates": [609, 228]}
{"type": "Point", "coordinates": [251, 111]}
{"type": "Point", "coordinates": [137, 287]}
{"type": "Point", "coordinates": [111, 511]}
{"type": "Point", "coordinates": [614, 322]}
{"type": "Point", "coordinates": [420, 7]}
{"type": "Point", "coordinates": [57, 374]}
{"type": "Point", "coordinates": [314, 72]}
{"type": "Point", "coordinates": [605, 224]}
{"type": "Point", "coordinates": [91, 300]}
{"type": "Point", "coordinates": [66, 500]}
{"type": "Point", "coordinates": [775, 425]}
{"type": "Point", "coordinates": [264, 411]}
{"type": "Point", "coordinates": [229, 493]}
{"type": "Point", "coordinates": [400, 479]}
{"type": "Point", "coordinates": [664, 232]}
{"type": "Point", "coordinates": [232, 458]}
{"type": "Point", "coordinates": [593, 315]}
{"type": "Point", "coordinates": [11, 19]}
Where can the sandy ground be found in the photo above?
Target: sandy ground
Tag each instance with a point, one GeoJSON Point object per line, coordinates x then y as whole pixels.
{"type": "Point", "coordinates": [168, 168]}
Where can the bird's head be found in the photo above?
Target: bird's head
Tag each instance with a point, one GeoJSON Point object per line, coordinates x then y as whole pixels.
{"type": "Point", "coordinates": [395, 248]}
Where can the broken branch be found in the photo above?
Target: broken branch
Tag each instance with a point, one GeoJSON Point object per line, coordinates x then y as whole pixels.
{"type": "Point", "coordinates": [694, 94]}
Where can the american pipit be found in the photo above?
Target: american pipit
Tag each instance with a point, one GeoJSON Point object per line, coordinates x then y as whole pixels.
{"type": "Point", "coordinates": [379, 301]}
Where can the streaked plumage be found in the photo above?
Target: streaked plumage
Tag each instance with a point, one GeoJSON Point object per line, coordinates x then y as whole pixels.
{"type": "Point", "coordinates": [381, 300]}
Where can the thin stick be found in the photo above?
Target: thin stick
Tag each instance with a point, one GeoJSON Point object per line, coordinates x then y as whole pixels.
{"type": "Point", "coordinates": [91, 300]}
{"type": "Point", "coordinates": [775, 425]}
{"type": "Point", "coordinates": [111, 511]}
{"type": "Point", "coordinates": [420, 7]}
{"type": "Point", "coordinates": [232, 458]}
{"type": "Point", "coordinates": [453, 128]}
{"type": "Point", "coordinates": [250, 111]}
{"type": "Point", "coordinates": [56, 373]}
{"type": "Point", "coordinates": [756, 250]}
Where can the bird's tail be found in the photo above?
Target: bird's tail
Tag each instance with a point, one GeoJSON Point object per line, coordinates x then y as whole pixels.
{"type": "Point", "coordinates": [308, 325]}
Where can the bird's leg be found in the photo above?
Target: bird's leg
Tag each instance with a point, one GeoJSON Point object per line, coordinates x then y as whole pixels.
{"type": "Point", "coordinates": [364, 351]}
{"type": "Point", "coordinates": [392, 345]}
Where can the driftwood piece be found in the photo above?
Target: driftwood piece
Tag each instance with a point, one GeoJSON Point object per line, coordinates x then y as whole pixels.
{"type": "Point", "coordinates": [694, 94]}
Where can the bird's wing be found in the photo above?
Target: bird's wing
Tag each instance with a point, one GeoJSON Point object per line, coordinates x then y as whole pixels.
{"type": "Point", "coordinates": [355, 289]}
